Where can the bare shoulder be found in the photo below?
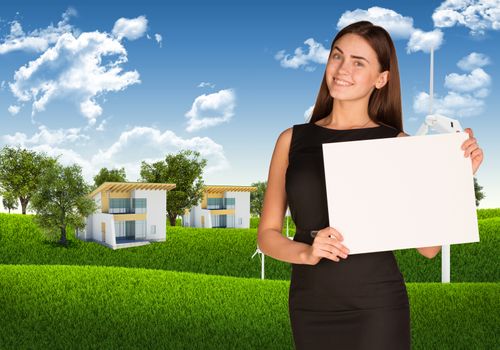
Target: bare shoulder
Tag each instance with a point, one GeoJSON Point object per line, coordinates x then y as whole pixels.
{"type": "Point", "coordinates": [402, 133]}
{"type": "Point", "coordinates": [284, 139]}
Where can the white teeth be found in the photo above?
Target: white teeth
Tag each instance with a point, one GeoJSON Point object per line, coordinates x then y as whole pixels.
{"type": "Point", "coordinates": [342, 82]}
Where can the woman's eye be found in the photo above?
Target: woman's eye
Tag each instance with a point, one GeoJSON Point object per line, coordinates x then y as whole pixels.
{"type": "Point", "coordinates": [359, 64]}
{"type": "Point", "coordinates": [335, 56]}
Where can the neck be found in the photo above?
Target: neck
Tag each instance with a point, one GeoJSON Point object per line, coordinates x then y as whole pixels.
{"type": "Point", "coordinates": [347, 114]}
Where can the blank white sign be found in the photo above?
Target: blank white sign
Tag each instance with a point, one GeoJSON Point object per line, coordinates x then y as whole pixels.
{"type": "Point", "coordinates": [401, 192]}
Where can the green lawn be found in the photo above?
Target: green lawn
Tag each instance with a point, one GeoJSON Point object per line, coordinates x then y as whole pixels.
{"type": "Point", "coordinates": [227, 252]}
{"type": "Point", "coordinates": [63, 307]}
{"type": "Point", "coordinates": [200, 289]}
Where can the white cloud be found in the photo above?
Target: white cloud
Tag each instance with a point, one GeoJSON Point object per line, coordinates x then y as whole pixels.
{"type": "Point", "coordinates": [466, 95]}
{"type": "Point", "coordinates": [478, 16]}
{"type": "Point", "coordinates": [452, 105]}
{"type": "Point", "coordinates": [131, 29]}
{"type": "Point", "coordinates": [16, 29]}
{"type": "Point", "coordinates": [72, 69]}
{"type": "Point", "coordinates": [46, 136]}
{"type": "Point", "coordinates": [14, 109]}
{"type": "Point", "coordinates": [203, 84]}
{"type": "Point", "coordinates": [37, 40]}
{"type": "Point", "coordinates": [316, 53]}
{"type": "Point", "coordinates": [400, 27]}
{"type": "Point", "coordinates": [472, 61]}
{"type": "Point", "coordinates": [158, 38]}
{"type": "Point", "coordinates": [308, 114]}
{"type": "Point", "coordinates": [210, 110]}
{"type": "Point", "coordinates": [424, 41]}
{"type": "Point", "coordinates": [477, 80]}
{"type": "Point", "coordinates": [102, 125]}
{"type": "Point", "coordinates": [132, 146]}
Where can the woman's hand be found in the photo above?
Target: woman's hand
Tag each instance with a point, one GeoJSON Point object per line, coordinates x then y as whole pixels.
{"type": "Point", "coordinates": [327, 244]}
{"type": "Point", "coordinates": [471, 148]}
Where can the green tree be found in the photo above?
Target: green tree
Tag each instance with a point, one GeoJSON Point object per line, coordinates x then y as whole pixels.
{"type": "Point", "coordinates": [184, 169]}
{"type": "Point", "coordinates": [477, 190]}
{"type": "Point", "coordinates": [113, 175]}
{"type": "Point", "coordinates": [9, 201]}
{"type": "Point", "coordinates": [20, 171]}
{"type": "Point", "coordinates": [257, 198]}
{"type": "Point", "coordinates": [61, 200]}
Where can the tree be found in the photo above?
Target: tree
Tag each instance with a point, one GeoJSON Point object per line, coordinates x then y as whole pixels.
{"type": "Point", "coordinates": [113, 175]}
{"type": "Point", "coordinates": [9, 201]}
{"type": "Point", "coordinates": [257, 198]}
{"type": "Point", "coordinates": [477, 190]}
{"type": "Point", "coordinates": [61, 200]}
{"type": "Point", "coordinates": [184, 169]}
{"type": "Point", "coordinates": [20, 171]}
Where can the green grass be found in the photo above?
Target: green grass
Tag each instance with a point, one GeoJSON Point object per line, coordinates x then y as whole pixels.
{"type": "Point", "coordinates": [228, 252]}
{"type": "Point", "coordinates": [188, 292]}
{"type": "Point", "coordinates": [62, 307]}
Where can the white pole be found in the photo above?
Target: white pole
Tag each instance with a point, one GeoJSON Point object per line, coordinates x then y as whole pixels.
{"type": "Point", "coordinates": [262, 266]}
{"type": "Point", "coordinates": [431, 88]}
{"type": "Point", "coordinates": [445, 249]}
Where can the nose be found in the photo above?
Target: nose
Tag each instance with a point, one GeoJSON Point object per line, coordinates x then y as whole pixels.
{"type": "Point", "coordinates": [344, 68]}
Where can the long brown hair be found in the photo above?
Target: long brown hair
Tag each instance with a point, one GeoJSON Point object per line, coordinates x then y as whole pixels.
{"type": "Point", "coordinates": [384, 105]}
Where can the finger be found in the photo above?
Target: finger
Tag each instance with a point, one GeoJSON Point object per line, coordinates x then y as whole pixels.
{"type": "Point", "coordinates": [468, 142]}
{"type": "Point", "coordinates": [469, 131]}
{"type": "Point", "coordinates": [470, 149]}
{"type": "Point", "coordinates": [336, 233]}
{"type": "Point", "coordinates": [339, 246]}
{"type": "Point", "coordinates": [477, 154]}
{"type": "Point", "coordinates": [335, 251]}
{"type": "Point", "coordinates": [332, 250]}
{"type": "Point", "coordinates": [326, 254]}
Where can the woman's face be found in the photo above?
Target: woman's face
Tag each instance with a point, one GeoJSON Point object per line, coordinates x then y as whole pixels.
{"type": "Point", "coordinates": [353, 70]}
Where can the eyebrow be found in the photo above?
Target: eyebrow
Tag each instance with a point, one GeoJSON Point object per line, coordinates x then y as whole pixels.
{"type": "Point", "coordinates": [358, 57]}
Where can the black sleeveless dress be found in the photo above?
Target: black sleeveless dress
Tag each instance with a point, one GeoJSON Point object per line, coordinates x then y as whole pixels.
{"type": "Point", "coordinates": [357, 303]}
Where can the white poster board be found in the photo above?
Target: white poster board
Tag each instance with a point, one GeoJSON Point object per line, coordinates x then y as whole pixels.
{"type": "Point", "coordinates": [401, 192]}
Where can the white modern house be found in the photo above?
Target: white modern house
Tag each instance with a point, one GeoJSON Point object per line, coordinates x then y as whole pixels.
{"type": "Point", "coordinates": [221, 206]}
{"type": "Point", "coordinates": [129, 214]}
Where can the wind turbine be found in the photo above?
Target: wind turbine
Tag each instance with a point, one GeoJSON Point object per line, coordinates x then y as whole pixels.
{"type": "Point", "coordinates": [262, 255]}
{"type": "Point", "coordinates": [441, 124]}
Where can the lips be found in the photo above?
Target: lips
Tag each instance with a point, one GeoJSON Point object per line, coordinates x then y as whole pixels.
{"type": "Point", "coordinates": [341, 82]}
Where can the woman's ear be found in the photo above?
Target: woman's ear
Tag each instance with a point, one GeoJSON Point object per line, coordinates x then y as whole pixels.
{"type": "Point", "coordinates": [382, 79]}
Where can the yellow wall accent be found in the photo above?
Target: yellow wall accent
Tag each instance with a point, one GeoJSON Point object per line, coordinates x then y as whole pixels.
{"type": "Point", "coordinates": [222, 211]}
{"type": "Point", "coordinates": [129, 217]}
{"type": "Point", "coordinates": [104, 202]}
{"type": "Point", "coordinates": [105, 198]}
{"type": "Point", "coordinates": [204, 201]}
{"type": "Point", "coordinates": [119, 195]}
{"type": "Point", "coordinates": [209, 195]}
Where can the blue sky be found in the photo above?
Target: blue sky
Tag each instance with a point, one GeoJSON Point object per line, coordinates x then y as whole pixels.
{"type": "Point", "coordinates": [109, 85]}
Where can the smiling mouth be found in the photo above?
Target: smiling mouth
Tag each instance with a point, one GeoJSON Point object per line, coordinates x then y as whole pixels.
{"type": "Point", "coordinates": [341, 82]}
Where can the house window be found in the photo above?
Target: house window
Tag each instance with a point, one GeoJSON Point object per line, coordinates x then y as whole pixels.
{"type": "Point", "coordinates": [230, 221]}
{"type": "Point", "coordinates": [153, 229]}
{"type": "Point", "coordinates": [119, 206]}
{"type": "Point", "coordinates": [139, 205]}
{"type": "Point", "coordinates": [230, 203]}
{"type": "Point", "coordinates": [240, 221]}
{"type": "Point", "coordinates": [219, 221]}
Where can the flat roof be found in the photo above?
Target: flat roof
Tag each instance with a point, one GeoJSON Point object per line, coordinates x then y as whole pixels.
{"type": "Point", "coordinates": [225, 188]}
{"type": "Point", "coordinates": [129, 186]}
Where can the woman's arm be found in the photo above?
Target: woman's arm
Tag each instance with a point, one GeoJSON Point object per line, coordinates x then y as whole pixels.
{"type": "Point", "coordinates": [428, 252]}
{"type": "Point", "coordinates": [269, 234]}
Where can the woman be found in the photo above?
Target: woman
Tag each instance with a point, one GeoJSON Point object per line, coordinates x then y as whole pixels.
{"type": "Point", "coordinates": [336, 301]}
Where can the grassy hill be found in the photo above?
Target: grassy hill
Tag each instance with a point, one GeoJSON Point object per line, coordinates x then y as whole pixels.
{"type": "Point", "coordinates": [201, 290]}
{"type": "Point", "coordinates": [228, 252]}
{"type": "Point", "coordinates": [91, 307]}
